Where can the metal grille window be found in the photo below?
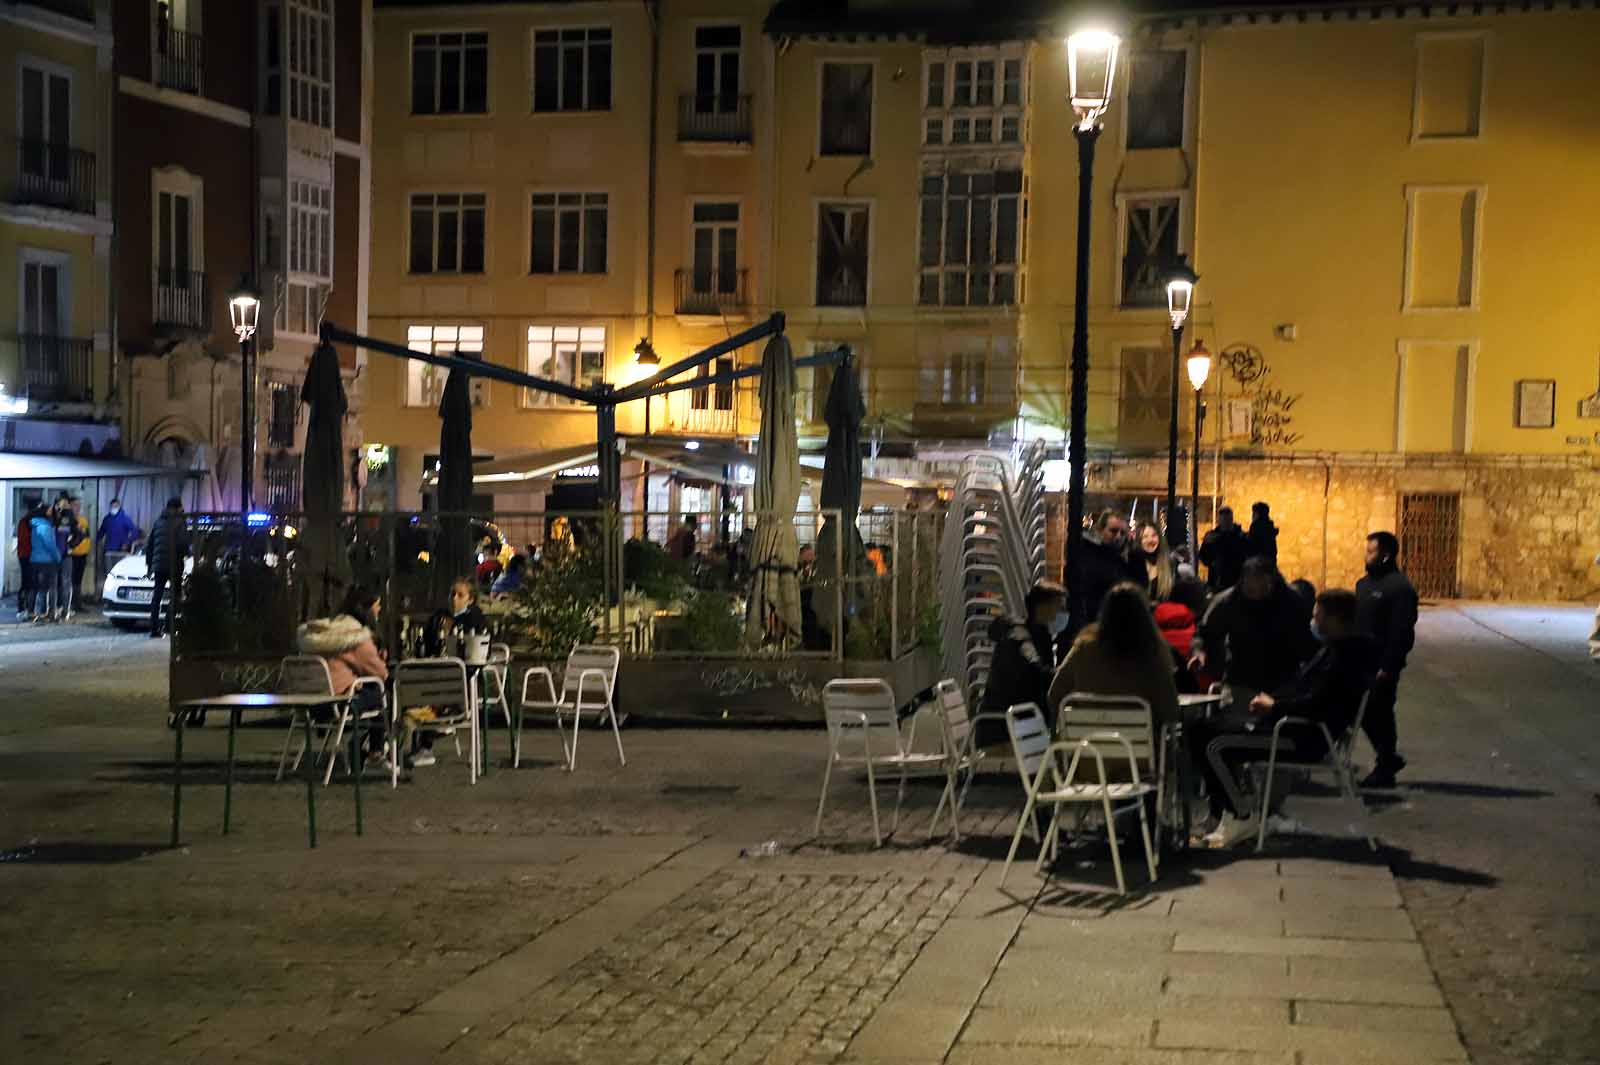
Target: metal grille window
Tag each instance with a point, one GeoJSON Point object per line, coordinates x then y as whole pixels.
{"type": "Point", "coordinates": [311, 62]}
{"type": "Point", "coordinates": [1156, 86]}
{"type": "Point", "coordinates": [971, 244]}
{"type": "Point", "coordinates": [450, 74]}
{"type": "Point", "coordinates": [569, 233]}
{"type": "Point", "coordinates": [283, 482]}
{"type": "Point", "coordinates": [1430, 541]}
{"type": "Point", "coordinates": [972, 96]}
{"type": "Point", "coordinates": [1150, 242]}
{"type": "Point", "coordinates": [572, 69]}
{"type": "Point", "coordinates": [846, 109]}
{"type": "Point", "coordinates": [447, 233]}
{"type": "Point", "coordinates": [310, 229]}
{"type": "Point", "coordinates": [283, 414]}
{"type": "Point", "coordinates": [842, 254]}
{"type": "Point", "coordinates": [425, 382]}
{"type": "Point", "coordinates": [571, 354]}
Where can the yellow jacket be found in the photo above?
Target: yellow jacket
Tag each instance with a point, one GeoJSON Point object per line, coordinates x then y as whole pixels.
{"type": "Point", "coordinates": [86, 541]}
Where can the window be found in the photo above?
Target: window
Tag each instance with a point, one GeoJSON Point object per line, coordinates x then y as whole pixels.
{"type": "Point", "coordinates": [300, 305]}
{"type": "Point", "coordinates": [713, 397]}
{"type": "Point", "coordinates": [179, 48]}
{"type": "Point", "coordinates": [571, 354]}
{"type": "Point", "coordinates": [973, 96]}
{"type": "Point", "coordinates": [1150, 245]}
{"type": "Point", "coordinates": [842, 255]}
{"type": "Point", "coordinates": [1144, 396]}
{"type": "Point", "coordinates": [283, 414]}
{"type": "Point", "coordinates": [174, 218]}
{"type": "Point", "coordinates": [46, 113]}
{"type": "Point", "coordinates": [716, 69]}
{"type": "Point", "coordinates": [572, 70]}
{"type": "Point", "coordinates": [177, 211]}
{"type": "Point", "coordinates": [283, 482]}
{"type": "Point", "coordinates": [966, 370]}
{"type": "Point", "coordinates": [311, 62]}
{"type": "Point", "coordinates": [971, 243]}
{"type": "Point", "coordinates": [846, 109]}
{"type": "Point", "coordinates": [447, 233]}
{"type": "Point", "coordinates": [1156, 86]}
{"type": "Point", "coordinates": [310, 229]}
{"type": "Point", "coordinates": [569, 233]}
{"type": "Point", "coordinates": [45, 310]}
{"type": "Point", "coordinates": [716, 248]}
{"type": "Point", "coordinates": [450, 74]}
{"type": "Point", "coordinates": [425, 382]}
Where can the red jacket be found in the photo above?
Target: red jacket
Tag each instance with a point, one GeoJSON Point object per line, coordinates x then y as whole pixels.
{"type": "Point", "coordinates": [25, 539]}
{"type": "Point", "coordinates": [1177, 624]}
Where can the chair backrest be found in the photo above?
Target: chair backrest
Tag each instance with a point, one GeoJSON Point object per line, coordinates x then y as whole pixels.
{"type": "Point", "coordinates": [955, 720]}
{"type": "Point", "coordinates": [846, 701]}
{"type": "Point", "coordinates": [1083, 714]}
{"type": "Point", "coordinates": [588, 656]}
{"type": "Point", "coordinates": [499, 654]}
{"type": "Point", "coordinates": [430, 682]}
{"type": "Point", "coordinates": [304, 675]}
{"type": "Point", "coordinates": [1030, 739]}
{"type": "Point", "coordinates": [1344, 745]}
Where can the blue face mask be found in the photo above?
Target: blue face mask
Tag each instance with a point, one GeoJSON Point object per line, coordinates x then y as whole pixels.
{"type": "Point", "coordinates": [1316, 632]}
{"type": "Point", "coordinates": [1059, 624]}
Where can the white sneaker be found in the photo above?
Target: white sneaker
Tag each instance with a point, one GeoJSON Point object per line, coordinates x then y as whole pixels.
{"type": "Point", "coordinates": [1283, 825]}
{"type": "Point", "coordinates": [423, 758]}
{"type": "Point", "coordinates": [1231, 830]}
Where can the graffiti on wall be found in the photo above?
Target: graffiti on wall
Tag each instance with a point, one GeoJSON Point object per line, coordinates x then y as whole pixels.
{"type": "Point", "coordinates": [1272, 409]}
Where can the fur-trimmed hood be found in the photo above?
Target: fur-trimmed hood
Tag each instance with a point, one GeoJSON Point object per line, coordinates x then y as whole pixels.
{"type": "Point", "coordinates": [331, 636]}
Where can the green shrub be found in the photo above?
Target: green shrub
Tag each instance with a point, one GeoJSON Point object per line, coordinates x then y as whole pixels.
{"type": "Point", "coordinates": [559, 602]}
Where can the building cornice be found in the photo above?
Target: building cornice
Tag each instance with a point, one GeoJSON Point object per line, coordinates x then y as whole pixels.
{"type": "Point", "coordinates": [185, 101]}
{"type": "Point", "coordinates": [28, 214]}
{"type": "Point", "coordinates": [47, 21]}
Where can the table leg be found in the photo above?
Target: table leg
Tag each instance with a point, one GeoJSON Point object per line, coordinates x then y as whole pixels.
{"type": "Point", "coordinates": [177, 776]}
{"type": "Point", "coordinates": [311, 786]}
{"type": "Point", "coordinates": [227, 774]}
{"type": "Point", "coordinates": [358, 765]}
{"type": "Point", "coordinates": [483, 726]}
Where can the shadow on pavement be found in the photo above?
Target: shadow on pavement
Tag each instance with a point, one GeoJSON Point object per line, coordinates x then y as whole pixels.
{"type": "Point", "coordinates": [78, 853]}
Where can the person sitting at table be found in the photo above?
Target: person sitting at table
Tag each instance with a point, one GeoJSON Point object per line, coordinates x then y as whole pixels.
{"type": "Point", "coordinates": [1178, 619]}
{"type": "Point", "coordinates": [462, 614]}
{"type": "Point", "coordinates": [511, 580]}
{"type": "Point", "coordinates": [1120, 653]}
{"type": "Point", "coordinates": [1328, 689]}
{"type": "Point", "coordinates": [1255, 634]}
{"type": "Point", "coordinates": [347, 644]}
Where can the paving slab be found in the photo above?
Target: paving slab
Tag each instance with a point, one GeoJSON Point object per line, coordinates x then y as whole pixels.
{"type": "Point", "coordinates": [1373, 1017]}
{"type": "Point", "coordinates": [1302, 946]}
{"type": "Point", "coordinates": [1355, 1044]}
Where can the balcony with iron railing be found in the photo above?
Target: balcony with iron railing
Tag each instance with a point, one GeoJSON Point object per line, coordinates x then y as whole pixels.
{"type": "Point", "coordinates": [703, 411]}
{"type": "Point", "coordinates": [711, 292]}
{"type": "Point", "coordinates": [283, 482]}
{"type": "Point", "coordinates": [54, 175]}
{"type": "Point", "coordinates": [57, 369]}
{"type": "Point", "coordinates": [846, 287]}
{"type": "Point", "coordinates": [183, 301]}
{"type": "Point", "coordinates": [179, 58]}
{"type": "Point", "coordinates": [722, 118]}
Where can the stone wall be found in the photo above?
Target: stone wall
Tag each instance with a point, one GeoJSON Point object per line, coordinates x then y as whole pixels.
{"type": "Point", "coordinates": [1529, 527]}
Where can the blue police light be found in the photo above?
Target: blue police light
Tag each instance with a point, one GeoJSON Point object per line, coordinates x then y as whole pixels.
{"type": "Point", "coordinates": [257, 519]}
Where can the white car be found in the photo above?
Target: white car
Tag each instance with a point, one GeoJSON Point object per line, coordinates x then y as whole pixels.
{"type": "Point", "coordinates": [129, 586]}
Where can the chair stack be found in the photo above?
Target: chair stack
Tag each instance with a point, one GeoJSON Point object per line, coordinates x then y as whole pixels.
{"type": "Point", "coordinates": [993, 551]}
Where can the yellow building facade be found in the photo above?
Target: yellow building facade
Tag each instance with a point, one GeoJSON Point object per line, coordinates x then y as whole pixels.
{"type": "Point", "coordinates": [1388, 216]}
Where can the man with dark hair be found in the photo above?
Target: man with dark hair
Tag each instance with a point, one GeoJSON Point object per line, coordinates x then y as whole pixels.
{"type": "Point", "coordinates": [164, 552]}
{"type": "Point", "coordinates": [1388, 614]}
{"type": "Point", "coordinates": [1105, 564]}
{"type": "Point", "coordinates": [1263, 535]}
{"type": "Point", "coordinates": [1327, 690]}
{"type": "Point", "coordinates": [1255, 634]}
{"type": "Point", "coordinates": [1024, 660]}
{"type": "Point", "coordinates": [1224, 550]}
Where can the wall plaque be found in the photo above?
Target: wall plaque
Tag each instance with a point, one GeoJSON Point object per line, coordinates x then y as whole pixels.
{"type": "Point", "coordinates": [1536, 403]}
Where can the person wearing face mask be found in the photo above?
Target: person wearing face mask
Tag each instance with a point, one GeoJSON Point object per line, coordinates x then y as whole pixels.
{"type": "Point", "coordinates": [1150, 551]}
{"type": "Point", "coordinates": [1024, 661]}
{"type": "Point", "coordinates": [1388, 614]}
{"type": "Point", "coordinates": [1122, 653]}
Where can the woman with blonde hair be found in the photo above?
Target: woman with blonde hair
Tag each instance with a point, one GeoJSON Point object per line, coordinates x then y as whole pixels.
{"type": "Point", "coordinates": [1150, 548]}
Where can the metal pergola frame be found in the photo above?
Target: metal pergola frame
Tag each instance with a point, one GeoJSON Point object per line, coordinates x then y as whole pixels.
{"type": "Point", "coordinates": [604, 397]}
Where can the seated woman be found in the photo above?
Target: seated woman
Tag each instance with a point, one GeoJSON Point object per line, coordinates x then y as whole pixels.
{"type": "Point", "coordinates": [1122, 653]}
{"type": "Point", "coordinates": [347, 644]}
{"type": "Point", "coordinates": [462, 614]}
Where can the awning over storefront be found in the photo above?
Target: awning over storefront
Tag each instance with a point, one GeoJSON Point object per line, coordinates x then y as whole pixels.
{"type": "Point", "coordinates": [14, 467]}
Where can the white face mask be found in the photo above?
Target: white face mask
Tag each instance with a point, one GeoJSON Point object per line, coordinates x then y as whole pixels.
{"type": "Point", "coordinates": [116, 509]}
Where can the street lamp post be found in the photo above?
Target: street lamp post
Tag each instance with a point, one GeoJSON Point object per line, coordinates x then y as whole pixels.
{"type": "Point", "coordinates": [1199, 367]}
{"type": "Point", "coordinates": [1180, 297]}
{"type": "Point", "coordinates": [1091, 69]}
{"type": "Point", "coordinates": [244, 307]}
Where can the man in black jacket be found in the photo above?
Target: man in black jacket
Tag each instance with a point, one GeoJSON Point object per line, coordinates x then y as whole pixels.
{"type": "Point", "coordinates": [164, 553]}
{"type": "Point", "coordinates": [1255, 634]}
{"type": "Point", "coordinates": [1105, 565]}
{"type": "Point", "coordinates": [1224, 550]}
{"type": "Point", "coordinates": [1388, 614]}
{"type": "Point", "coordinates": [1263, 535]}
{"type": "Point", "coordinates": [1327, 690]}
{"type": "Point", "coordinates": [1024, 661]}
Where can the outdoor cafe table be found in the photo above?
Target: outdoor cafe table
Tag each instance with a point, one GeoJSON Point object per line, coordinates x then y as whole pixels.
{"type": "Point", "coordinates": [1180, 774]}
{"type": "Point", "coordinates": [238, 704]}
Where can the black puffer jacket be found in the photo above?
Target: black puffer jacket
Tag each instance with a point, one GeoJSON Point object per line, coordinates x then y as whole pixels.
{"type": "Point", "coordinates": [1256, 645]}
{"type": "Point", "coordinates": [1386, 610]}
{"type": "Point", "coordinates": [1263, 540]}
{"type": "Point", "coordinates": [1104, 567]}
{"type": "Point", "coordinates": [1020, 672]}
{"type": "Point", "coordinates": [167, 545]}
{"type": "Point", "coordinates": [1223, 551]}
{"type": "Point", "coordinates": [1329, 687]}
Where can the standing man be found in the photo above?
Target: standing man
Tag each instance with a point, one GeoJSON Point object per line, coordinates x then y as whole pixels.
{"type": "Point", "coordinates": [25, 565]}
{"type": "Point", "coordinates": [78, 545]}
{"type": "Point", "coordinates": [46, 559]}
{"type": "Point", "coordinates": [164, 553]}
{"type": "Point", "coordinates": [118, 533]}
{"type": "Point", "coordinates": [1263, 535]}
{"type": "Point", "coordinates": [1388, 614]}
{"type": "Point", "coordinates": [1224, 550]}
{"type": "Point", "coordinates": [1105, 565]}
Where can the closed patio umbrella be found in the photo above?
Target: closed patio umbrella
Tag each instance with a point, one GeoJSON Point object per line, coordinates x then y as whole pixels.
{"type": "Point", "coordinates": [326, 564]}
{"type": "Point", "coordinates": [841, 490]}
{"type": "Point", "coordinates": [774, 610]}
{"type": "Point", "coordinates": [451, 558]}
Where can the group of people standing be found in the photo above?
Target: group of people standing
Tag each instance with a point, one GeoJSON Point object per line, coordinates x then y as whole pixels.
{"type": "Point", "coordinates": [1152, 629]}
{"type": "Point", "coordinates": [52, 547]}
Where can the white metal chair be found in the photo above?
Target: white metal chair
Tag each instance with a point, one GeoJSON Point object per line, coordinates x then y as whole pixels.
{"type": "Point", "coordinates": [588, 686]}
{"type": "Point", "coordinates": [438, 683]}
{"type": "Point", "coordinates": [1336, 761]}
{"type": "Point", "coordinates": [1088, 727]}
{"type": "Point", "coordinates": [494, 681]}
{"type": "Point", "coordinates": [961, 756]}
{"type": "Point", "coordinates": [864, 732]}
{"type": "Point", "coordinates": [309, 675]}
